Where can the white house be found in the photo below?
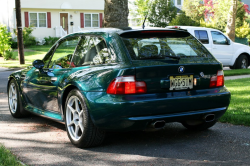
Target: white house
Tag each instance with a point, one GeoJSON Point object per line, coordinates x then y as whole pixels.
{"type": "Point", "coordinates": [54, 18]}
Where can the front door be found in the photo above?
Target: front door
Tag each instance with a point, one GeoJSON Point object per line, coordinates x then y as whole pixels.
{"type": "Point", "coordinates": [64, 21]}
{"type": "Point", "coordinates": [222, 48]}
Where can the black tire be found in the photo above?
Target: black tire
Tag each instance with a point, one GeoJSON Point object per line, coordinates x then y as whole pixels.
{"type": "Point", "coordinates": [198, 125]}
{"type": "Point", "coordinates": [80, 129]}
{"type": "Point", "coordinates": [241, 62]}
{"type": "Point", "coordinates": [14, 100]}
{"type": "Point", "coordinates": [232, 67]}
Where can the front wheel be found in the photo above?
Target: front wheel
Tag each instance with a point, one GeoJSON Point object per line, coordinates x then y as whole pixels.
{"type": "Point", "coordinates": [14, 101]}
{"type": "Point", "coordinates": [198, 125]}
{"type": "Point", "coordinates": [80, 128]}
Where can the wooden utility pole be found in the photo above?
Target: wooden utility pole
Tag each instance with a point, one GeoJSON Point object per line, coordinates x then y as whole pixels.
{"type": "Point", "coordinates": [19, 32]}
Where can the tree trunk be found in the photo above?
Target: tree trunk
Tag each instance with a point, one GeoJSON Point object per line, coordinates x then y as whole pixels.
{"type": "Point", "coordinates": [230, 29]}
{"type": "Point", "coordinates": [116, 13]}
{"type": "Point", "coordinates": [19, 33]}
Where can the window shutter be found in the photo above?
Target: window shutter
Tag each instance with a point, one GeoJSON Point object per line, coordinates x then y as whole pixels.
{"type": "Point", "coordinates": [82, 19]}
{"type": "Point", "coordinates": [26, 19]}
{"type": "Point", "coordinates": [100, 18]}
{"type": "Point", "coordinates": [49, 19]}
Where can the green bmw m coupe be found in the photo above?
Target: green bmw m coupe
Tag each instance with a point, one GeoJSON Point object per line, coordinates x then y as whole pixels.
{"type": "Point", "coordinates": [122, 80]}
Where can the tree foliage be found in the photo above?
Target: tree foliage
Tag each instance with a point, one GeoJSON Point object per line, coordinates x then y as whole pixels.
{"type": "Point", "coordinates": [142, 7]}
{"type": "Point", "coordinates": [5, 44]}
{"type": "Point", "coordinates": [243, 31]}
{"type": "Point", "coordinates": [183, 19]}
{"type": "Point", "coordinates": [161, 13]}
{"type": "Point", "coordinates": [194, 9]}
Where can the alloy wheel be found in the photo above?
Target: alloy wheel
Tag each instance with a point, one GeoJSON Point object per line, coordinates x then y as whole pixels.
{"type": "Point", "coordinates": [13, 98]}
{"type": "Point", "coordinates": [74, 118]}
{"type": "Point", "coordinates": [244, 63]}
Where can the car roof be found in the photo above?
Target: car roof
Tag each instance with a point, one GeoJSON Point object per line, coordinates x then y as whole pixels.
{"type": "Point", "coordinates": [188, 27]}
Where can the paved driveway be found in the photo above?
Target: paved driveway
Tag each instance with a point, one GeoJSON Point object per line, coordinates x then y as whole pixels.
{"type": "Point", "coordinates": [38, 141]}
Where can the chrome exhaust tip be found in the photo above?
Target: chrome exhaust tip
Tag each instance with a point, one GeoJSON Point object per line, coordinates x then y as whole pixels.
{"type": "Point", "coordinates": [155, 126]}
{"type": "Point", "coordinates": [158, 124]}
{"type": "Point", "coordinates": [209, 117]}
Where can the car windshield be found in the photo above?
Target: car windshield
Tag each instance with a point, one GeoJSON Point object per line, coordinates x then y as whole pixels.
{"type": "Point", "coordinates": [164, 47]}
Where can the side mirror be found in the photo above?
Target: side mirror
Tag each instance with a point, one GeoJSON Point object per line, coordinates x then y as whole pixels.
{"type": "Point", "coordinates": [39, 64]}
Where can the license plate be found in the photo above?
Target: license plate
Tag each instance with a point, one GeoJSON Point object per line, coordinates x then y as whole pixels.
{"type": "Point", "coordinates": [181, 82]}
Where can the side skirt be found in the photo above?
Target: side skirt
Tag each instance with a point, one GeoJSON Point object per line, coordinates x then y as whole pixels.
{"type": "Point", "coordinates": [45, 113]}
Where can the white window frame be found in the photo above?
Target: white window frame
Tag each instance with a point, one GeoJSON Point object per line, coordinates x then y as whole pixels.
{"type": "Point", "coordinates": [38, 19]}
{"type": "Point", "coordinates": [91, 20]}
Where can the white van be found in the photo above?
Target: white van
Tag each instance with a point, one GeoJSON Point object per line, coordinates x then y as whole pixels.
{"type": "Point", "coordinates": [229, 53]}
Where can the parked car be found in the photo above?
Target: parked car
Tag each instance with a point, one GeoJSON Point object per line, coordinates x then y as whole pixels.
{"type": "Point", "coordinates": [122, 80]}
{"type": "Point", "coordinates": [229, 53]}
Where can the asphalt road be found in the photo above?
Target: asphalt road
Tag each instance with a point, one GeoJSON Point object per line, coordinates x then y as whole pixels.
{"type": "Point", "coordinates": [3, 80]}
{"type": "Point", "coordinates": [39, 141]}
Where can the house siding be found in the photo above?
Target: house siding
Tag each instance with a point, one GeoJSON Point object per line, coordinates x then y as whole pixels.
{"type": "Point", "coordinates": [41, 32]}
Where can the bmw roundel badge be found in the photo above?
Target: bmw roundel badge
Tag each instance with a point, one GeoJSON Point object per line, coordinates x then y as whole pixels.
{"type": "Point", "coordinates": [181, 69]}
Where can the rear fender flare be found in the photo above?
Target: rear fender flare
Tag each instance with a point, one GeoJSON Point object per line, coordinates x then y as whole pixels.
{"type": "Point", "coordinates": [238, 53]}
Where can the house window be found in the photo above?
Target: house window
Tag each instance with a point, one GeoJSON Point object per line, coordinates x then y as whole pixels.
{"type": "Point", "coordinates": [178, 2]}
{"type": "Point", "coordinates": [38, 19]}
{"type": "Point", "coordinates": [91, 20]}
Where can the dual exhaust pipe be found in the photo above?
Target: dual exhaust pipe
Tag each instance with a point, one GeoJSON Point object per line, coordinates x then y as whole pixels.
{"type": "Point", "coordinates": [157, 125]}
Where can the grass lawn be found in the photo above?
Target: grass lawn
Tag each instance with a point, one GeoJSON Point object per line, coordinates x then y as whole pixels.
{"type": "Point", "coordinates": [32, 53]}
{"type": "Point", "coordinates": [236, 72]}
{"type": "Point", "coordinates": [6, 158]}
{"type": "Point", "coordinates": [239, 109]}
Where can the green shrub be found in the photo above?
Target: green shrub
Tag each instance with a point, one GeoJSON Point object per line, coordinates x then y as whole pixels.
{"type": "Point", "coordinates": [28, 39]}
{"type": "Point", "coordinates": [50, 40]}
{"type": "Point", "coordinates": [13, 44]}
{"type": "Point", "coordinates": [5, 43]}
{"type": "Point", "coordinates": [9, 55]}
{"type": "Point", "coordinates": [184, 20]}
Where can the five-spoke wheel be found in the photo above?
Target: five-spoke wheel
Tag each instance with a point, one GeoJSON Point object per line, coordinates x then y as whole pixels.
{"type": "Point", "coordinates": [13, 97]}
{"type": "Point", "coordinates": [15, 105]}
{"type": "Point", "coordinates": [74, 118]}
{"type": "Point", "coordinates": [80, 128]}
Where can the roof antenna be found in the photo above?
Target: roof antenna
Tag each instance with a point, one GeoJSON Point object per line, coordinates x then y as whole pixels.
{"type": "Point", "coordinates": [143, 25]}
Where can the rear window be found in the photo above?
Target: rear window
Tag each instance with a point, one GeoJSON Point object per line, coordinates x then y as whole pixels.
{"type": "Point", "coordinates": [166, 45]}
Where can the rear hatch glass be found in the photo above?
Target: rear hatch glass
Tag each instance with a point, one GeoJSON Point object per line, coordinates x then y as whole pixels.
{"type": "Point", "coordinates": [165, 45]}
{"type": "Point", "coordinates": [163, 58]}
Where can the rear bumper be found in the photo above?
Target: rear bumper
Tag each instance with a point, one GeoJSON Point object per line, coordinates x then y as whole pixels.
{"type": "Point", "coordinates": [135, 112]}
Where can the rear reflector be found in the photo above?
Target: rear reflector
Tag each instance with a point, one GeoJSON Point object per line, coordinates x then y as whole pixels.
{"type": "Point", "coordinates": [126, 85]}
{"type": "Point", "coordinates": [218, 80]}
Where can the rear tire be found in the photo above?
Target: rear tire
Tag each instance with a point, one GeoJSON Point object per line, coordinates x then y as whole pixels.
{"type": "Point", "coordinates": [241, 62]}
{"type": "Point", "coordinates": [198, 125]}
{"type": "Point", "coordinates": [80, 129]}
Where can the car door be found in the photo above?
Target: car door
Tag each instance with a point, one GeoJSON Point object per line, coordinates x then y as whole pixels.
{"type": "Point", "coordinates": [41, 88]}
{"type": "Point", "coordinates": [222, 48]}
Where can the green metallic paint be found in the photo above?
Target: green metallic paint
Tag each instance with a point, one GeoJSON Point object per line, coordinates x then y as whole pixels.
{"type": "Point", "coordinates": [119, 112]}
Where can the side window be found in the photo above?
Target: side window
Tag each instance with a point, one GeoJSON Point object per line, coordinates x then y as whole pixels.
{"type": "Point", "coordinates": [91, 51]}
{"type": "Point", "coordinates": [202, 36]}
{"type": "Point", "coordinates": [219, 38]}
{"type": "Point", "coordinates": [64, 53]}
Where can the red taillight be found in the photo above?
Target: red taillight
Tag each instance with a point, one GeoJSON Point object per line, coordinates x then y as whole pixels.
{"type": "Point", "coordinates": [126, 85]}
{"type": "Point", "coordinates": [218, 80]}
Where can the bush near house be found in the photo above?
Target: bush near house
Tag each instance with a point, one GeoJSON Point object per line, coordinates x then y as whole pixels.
{"type": "Point", "coordinates": [28, 39]}
{"type": "Point", "coordinates": [5, 44]}
{"type": "Point", "coordinates": [50, 40]}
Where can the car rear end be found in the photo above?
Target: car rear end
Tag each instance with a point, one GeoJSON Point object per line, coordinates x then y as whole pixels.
{"type": "Point", "coordinates": [174, 79]}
